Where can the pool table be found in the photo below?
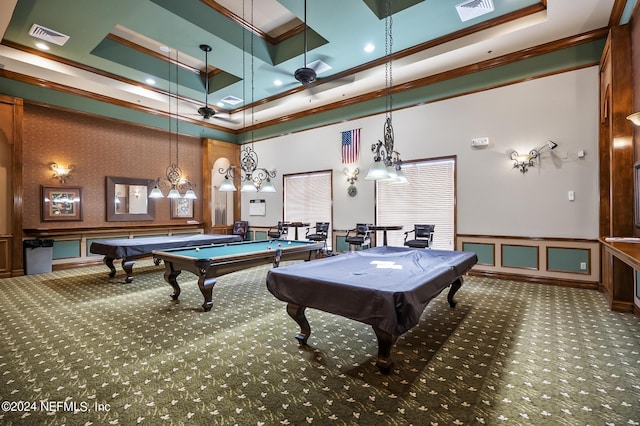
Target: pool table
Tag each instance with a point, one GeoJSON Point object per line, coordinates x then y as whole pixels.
{"type": "Point", "coordinates": [385, 287]}
{"type": "Point", "coordinates": [210, 262]}
{"type": "Point", "coordinates": [130, 249]}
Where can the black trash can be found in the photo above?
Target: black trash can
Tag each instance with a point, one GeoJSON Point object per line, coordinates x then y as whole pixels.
{"type": "Point", "coordinates": [38, 256]}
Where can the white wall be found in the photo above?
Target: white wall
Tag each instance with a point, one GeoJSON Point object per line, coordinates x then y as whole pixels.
{"type": "Point", "coordinates": [492, 197]}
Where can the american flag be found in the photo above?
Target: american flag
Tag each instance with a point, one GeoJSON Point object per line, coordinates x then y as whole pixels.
{"type": "Point", "coordinates": [350, 146]}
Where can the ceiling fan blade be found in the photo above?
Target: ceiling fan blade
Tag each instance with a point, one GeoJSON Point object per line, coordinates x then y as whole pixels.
{"type": "Point", "coordinates": [323, 84]}
{"type": "Point", "coordinates": [281, 72]}
{"type": "Point", "coordinates": [228, 119]}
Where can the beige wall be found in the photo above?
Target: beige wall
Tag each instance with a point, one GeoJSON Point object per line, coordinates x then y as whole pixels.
{"type": "Point", "coordinates": [493, 198]}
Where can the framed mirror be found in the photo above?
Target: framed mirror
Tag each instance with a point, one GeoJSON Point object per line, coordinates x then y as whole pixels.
{"type": "Point", "coordinates": [128, 199]}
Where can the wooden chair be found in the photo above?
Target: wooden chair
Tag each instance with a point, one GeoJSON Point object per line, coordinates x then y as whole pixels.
{"type": "Point", "coordinates": [423, 236]}
{"type": "Point", "coordinates": [360, 236]}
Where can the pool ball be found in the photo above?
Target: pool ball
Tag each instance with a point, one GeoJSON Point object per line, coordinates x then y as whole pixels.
{"type": "Point", "coordinates": [197, 249]}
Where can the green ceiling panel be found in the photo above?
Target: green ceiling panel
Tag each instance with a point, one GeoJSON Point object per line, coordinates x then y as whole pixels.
{"type": "Point", "coordinates": [379, 7]}
{"type": "Point", "coordinates": [581, 55]}
{"type": "Point", "coordinates": [78, 103]}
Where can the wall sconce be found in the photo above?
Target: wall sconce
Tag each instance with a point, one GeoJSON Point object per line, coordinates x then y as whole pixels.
{"type": "Point", "coordinates": [61, 173]}
{"type": "Point", "coordinates": [352, 176]}
{"type": "Point", "coordinates": [634, 118]}
{"type": "Point", "coordinates": [524, 161]}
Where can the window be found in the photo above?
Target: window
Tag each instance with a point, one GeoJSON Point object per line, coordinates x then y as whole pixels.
{"type": "Point", "coordinates": [307, 198]}
{"type": "Point", "coordinates": [428, 198]}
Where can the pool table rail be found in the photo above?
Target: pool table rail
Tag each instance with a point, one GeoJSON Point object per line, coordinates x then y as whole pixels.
{"type": "Point", "coordinates": [211, 262]}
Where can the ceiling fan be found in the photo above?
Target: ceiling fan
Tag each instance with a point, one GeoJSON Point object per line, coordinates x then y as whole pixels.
{"type": "Point", "coordinates": [206, 112]}
{"type": "Point", "coordinates": [305, 75]}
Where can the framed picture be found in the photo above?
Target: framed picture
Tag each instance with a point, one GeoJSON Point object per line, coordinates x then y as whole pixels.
{"type": "Point", "coordinates": [61, 203]}
{"type": "Point", "coordinates": [181, 208]}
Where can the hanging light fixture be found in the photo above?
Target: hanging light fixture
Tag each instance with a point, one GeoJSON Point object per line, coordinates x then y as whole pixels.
{"type": "Point", "coordinates": [253, 178]}
{"type": "Point", "coordinates": [173, 179]}
{"type": "Point", "coordinates": [387, 165]}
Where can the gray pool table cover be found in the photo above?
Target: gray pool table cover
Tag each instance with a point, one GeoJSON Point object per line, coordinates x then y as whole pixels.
{"type": "Point", "coordinates": [386, 287]}
{"type": "Point", "coordinates": [128, 247]}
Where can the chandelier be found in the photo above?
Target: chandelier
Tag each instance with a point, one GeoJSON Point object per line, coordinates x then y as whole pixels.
{"type": "Point", "coordinates": [253, 178]}
{"type": "Point", "coordinates": [173, 180]}
{"type": "Point", "coordinates": [387, 165]}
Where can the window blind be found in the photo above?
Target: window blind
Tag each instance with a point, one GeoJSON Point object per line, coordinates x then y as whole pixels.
{"type": "Point", "coordinates": [428, 198]}
{"type": "Point", "coordinates": [307, 198]}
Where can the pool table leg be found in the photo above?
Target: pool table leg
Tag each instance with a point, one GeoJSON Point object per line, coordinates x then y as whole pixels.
{"type": "Point", "coordinates": [297, 313]}
{"type": "Point", "coordinates": [127, 266]}
{"type": "Point", "coordinates": [455, 286]}
{"type": "Point", "coordinates": [170, 276]}
{"type": "Point", "coordinates": [109, 262]}
{"type": "Point", "coordinates": [206, 288]}
{"type": "Point", "coordinates": [385, 343]}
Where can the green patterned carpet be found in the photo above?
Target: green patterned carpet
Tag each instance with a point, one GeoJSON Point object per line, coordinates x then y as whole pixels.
{"type": "Point", "coordinates": [78, 348]}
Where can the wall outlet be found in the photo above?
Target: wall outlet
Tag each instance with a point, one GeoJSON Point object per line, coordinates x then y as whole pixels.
{"type": "Point", "coordinates": [583, 266]}
{"type": "Point", "coordinates": [480, 142]}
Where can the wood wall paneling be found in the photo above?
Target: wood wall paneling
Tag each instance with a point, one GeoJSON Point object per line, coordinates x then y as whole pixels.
{"type": "Point", "coordinates": [11, 115]}
{"type": "Point", "coordinates": [212, 151]}
{"type": "Point", "coordinates": [616, 133]}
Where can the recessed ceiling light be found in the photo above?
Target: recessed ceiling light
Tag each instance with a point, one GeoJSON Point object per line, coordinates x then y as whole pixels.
{"type": "Point", "coordinates": [369, 47]}
{"type": "Point", "coordinates": [42, 46]}
{"type": "Point", "coordinates": [164, 49]}
{"type": "Point", "coordinates": [277, 82]}
{"type": "Point", "coordinates": [150, 81]}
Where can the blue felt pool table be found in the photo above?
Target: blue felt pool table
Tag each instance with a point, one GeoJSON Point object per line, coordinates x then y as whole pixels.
{"type": "Point", "coordinates": [385, 287]}
{"type": "Point", "coordinates": [210, 262]}
{"type": "Point", "coordinates": [130, 249]}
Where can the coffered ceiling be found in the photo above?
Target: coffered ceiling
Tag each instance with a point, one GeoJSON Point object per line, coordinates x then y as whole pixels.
{"type": "Point", "coordinates": [145, 55]}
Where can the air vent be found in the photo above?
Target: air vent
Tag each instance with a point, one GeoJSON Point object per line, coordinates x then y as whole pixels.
{"type": "Point", "coordinates": [46, 34]}
{"type": "Point", "coordinates": [319, 66]}
{"type": "Point", "coordinates": [231, 100]}
{"type": "Point", "coordinates": [473, 8]}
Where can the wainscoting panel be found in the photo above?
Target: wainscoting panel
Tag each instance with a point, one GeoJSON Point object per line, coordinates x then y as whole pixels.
{"type": "Point", "coordinates": [5, 259]}
{"type": "Point", "coordinates": [549, 260]}
{"type": "Point", "coordinates": [486, 252]}
{"type": "Point", "coordinates": [260, 235]}
{"type": "Point", "coordinates": [66, 249]}
{"type": "Point", "coordinates": [341, 245]}
{"type": "Point", "coordinates": [517, 256]}
{"type": "Point", "coordinates": [569, 260]}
